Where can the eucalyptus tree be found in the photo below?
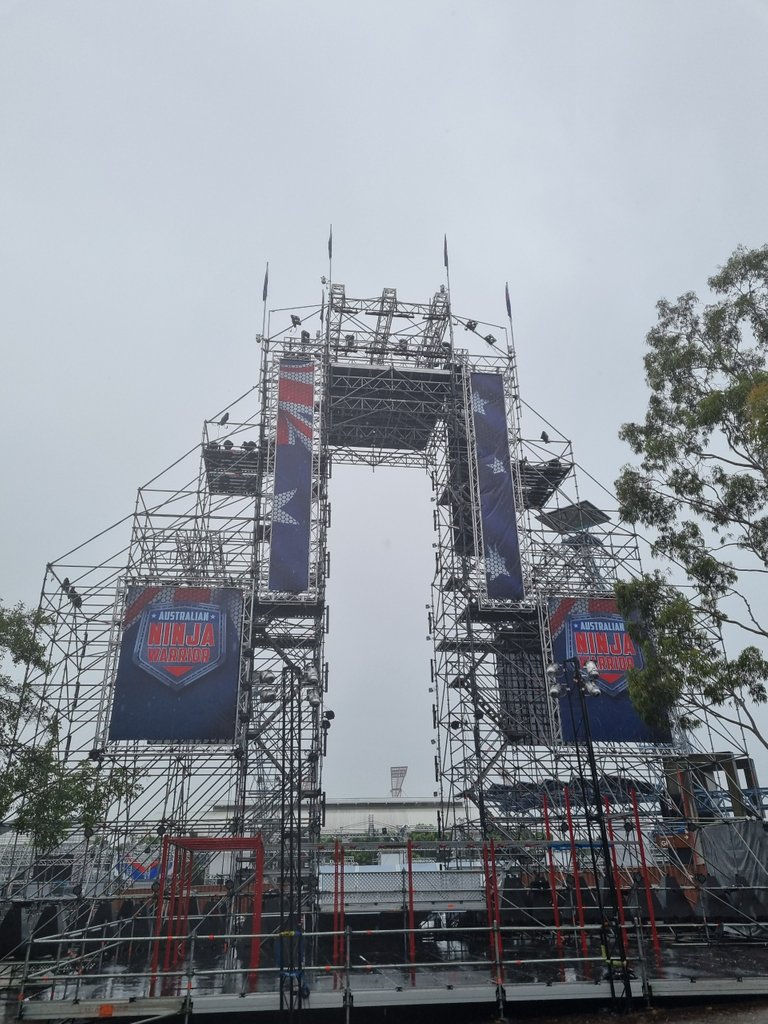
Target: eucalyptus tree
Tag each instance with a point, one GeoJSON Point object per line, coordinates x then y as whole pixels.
{"type": "Point", "coordinates": [700, 488]}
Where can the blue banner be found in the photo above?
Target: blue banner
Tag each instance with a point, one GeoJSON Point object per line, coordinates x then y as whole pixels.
{"type": "Point", "coordinates": [501, 546]}
{"type": "Point", "coordinates": [179, 665]}
{"type": "Point", "coordinates": [292, 508]}
{"type": "Point", "coordinates": [591, 629]}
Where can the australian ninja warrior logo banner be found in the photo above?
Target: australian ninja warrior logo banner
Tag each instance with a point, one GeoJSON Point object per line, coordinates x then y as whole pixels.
{"type": "Point", "coordinates": [605, 640]}
{"type": "Point", "coordinates": [179, 644]}
{"type": "Point", "coordinates": [178, 670]}
{"type": "Point", "coordinates": [593, 630]}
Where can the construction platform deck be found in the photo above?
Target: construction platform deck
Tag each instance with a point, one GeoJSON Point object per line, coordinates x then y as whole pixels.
{"type": "Point", "coordinates": [211, 985]}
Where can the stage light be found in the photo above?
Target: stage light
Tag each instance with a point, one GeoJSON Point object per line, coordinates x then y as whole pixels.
{"type": "Point", "coordinates": [265, 678]}
{"type": "Point", "coordinates": [313, 697]}
{"type": "Point", "coordinates": [470, 325]}
{"type": "Point", "coordinates": [591, 688]}
{"type": "Point", "coordinates": [224, 420]}
{"type": "Point", "coordinates": [305, 337]}
{"type": "Point", "coordinates": [591, 669]}
{"type": "Point", "coordinates": [490, 339]}
{"type": "Point", "coordinates": [228, 445]}
{"type": "Point", "coordinates": [556, 690]}
{"type": "Point", "coordinates": [295, 320]}
{"type": "Point", "coordinates": [552, 670]}
{"type": "Point", "coordinates": [311, 677]}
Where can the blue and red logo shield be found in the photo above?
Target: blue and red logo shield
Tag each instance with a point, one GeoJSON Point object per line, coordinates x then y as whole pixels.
{"type": "Point", "coordinates": [179, 643]}
{"type": "Point", "coordinates": [604, 639]}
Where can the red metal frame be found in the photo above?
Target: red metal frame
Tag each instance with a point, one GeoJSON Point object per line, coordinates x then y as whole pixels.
{"type": "Point", "coordinates": [179, 886]}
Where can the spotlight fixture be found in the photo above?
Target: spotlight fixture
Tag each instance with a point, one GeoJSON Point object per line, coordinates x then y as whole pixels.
{"type": "Point", "coordinates": [470, 325]}
{"type": "Point", "coordinates": [490, 339]}
{"type": "Point", "coordinates": [295, 320]}
{"type": "Point", "coordinates": [311, 677]}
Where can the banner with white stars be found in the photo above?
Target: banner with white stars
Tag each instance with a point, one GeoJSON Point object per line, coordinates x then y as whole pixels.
{"type": "Point", "coordinates": [498, 517]}
{"type": "Point", "coordinates": [292, 506]}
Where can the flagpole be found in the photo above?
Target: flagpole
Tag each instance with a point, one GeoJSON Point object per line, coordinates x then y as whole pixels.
{"type": "Point", "coordinates": [330, 255]}
{"type": "Point", "coordinates": [264, 293]}
{"type": "Point", "coordinates": [448, 286]}
{"type": "Point", "coordinates": [511, 340]}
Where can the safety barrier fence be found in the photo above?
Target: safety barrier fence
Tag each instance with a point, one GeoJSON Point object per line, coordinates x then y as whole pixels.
{"type": "Point", "coordinates": [74, 974]}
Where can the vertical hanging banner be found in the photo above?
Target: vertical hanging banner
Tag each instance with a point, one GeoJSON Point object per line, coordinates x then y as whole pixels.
{"type": "Point", "coordinates": [179, 665]}
{"type": "Point", "coordinates": [592, 629]}
{"type": "Point", "coordinates": [292, 508]}
{"type": "Point", "coordinates": [501, 545]}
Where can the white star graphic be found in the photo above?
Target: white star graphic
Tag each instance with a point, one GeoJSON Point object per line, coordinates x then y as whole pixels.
{"type": "Point", "coordinates": [279, 515]}
{"type": "Point", "coordinates": [497, 466]}
{"type": "Point", "coordinates": [495, 565]}
{"type": "Point", "coordinates": [479, 403]}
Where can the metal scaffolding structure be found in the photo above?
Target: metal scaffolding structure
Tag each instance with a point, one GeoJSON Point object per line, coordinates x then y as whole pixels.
{"type": "Point", "coordinates": [391, 388]}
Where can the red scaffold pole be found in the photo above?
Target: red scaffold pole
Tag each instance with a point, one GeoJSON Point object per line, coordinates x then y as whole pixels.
{"type": "Point", "coordinates": [336, 936]}
{"type": "Point", "coordinates": [576, 875]}
{"type": "Point", "coordinates": [646, 880]}
{"type": "Point", "coordinates": [159, 915]}
{"type": "Point", "coordinates": [411, 913]}
{"type": "Point", "coordinates": [497, 918]}
{"type": "Point", "coordinates": [616, 876]}
{"type": "Point", "coordinates": [552, 875]}
{"type": "Point", "coordinates": [258, 904]}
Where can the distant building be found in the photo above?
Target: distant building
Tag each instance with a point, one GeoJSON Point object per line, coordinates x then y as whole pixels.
{"type": "Point", "coordinates": [387, 816]}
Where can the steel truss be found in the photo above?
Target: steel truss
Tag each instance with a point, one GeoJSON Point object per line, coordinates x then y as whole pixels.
{"type": "Point", "coordinates": [392, 389]}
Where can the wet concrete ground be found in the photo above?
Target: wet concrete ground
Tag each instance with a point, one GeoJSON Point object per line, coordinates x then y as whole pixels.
{"type": "Point", "coordinates": [721, 1013]}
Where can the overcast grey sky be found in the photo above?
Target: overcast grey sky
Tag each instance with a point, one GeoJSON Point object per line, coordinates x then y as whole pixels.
{"type": "Point", "coordinates": [154, 155]}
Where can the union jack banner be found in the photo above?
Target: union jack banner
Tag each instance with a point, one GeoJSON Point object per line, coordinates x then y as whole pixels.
{"type": "Point", "coordinates": [292, 504]}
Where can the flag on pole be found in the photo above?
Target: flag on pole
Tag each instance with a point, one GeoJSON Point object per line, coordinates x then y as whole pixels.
{"type": "Point", "coordinates": [509, 304]}
{"type": "Point", "coordinates": [330, 243]}
{"type": "Point", "coordinates": [265, 289]}
{"type": "Point", "coordinates": [445, 251]}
